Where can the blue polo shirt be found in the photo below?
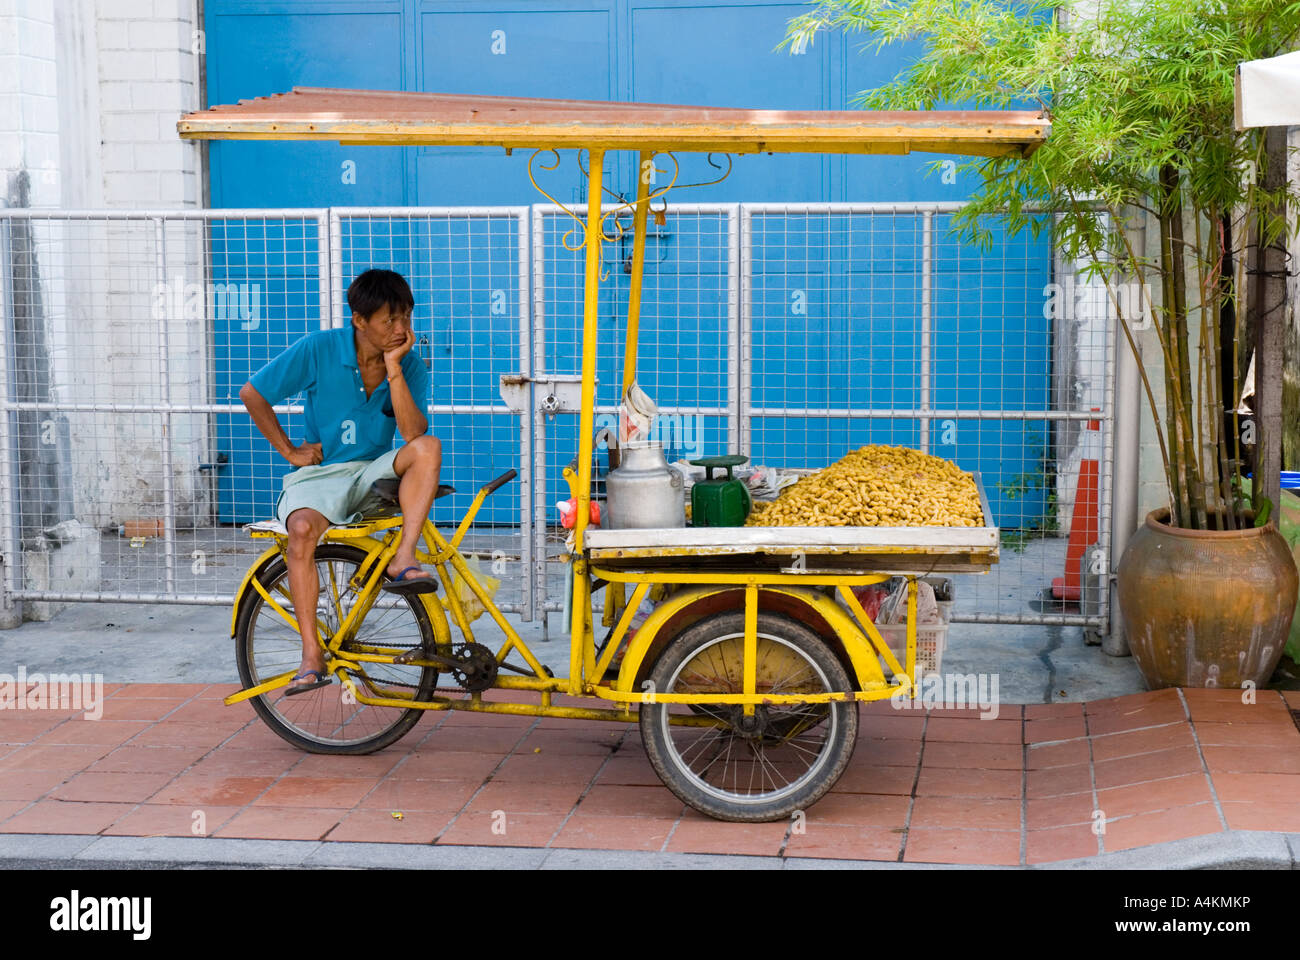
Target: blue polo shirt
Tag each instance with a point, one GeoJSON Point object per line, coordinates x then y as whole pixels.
{"type": "Point", "coordinates": [323, 368]}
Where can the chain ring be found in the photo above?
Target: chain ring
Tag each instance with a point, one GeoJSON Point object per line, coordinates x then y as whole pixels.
{"type": "Point", "coordinates": [482, 664]}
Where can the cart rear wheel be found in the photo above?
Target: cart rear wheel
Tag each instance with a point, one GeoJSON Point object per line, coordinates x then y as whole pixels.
{"type": "Point", "coordinates": [765, 767]}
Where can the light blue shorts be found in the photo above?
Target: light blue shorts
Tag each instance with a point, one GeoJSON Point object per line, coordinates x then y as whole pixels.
{"type": "Point", "coordinates": [341, 491]}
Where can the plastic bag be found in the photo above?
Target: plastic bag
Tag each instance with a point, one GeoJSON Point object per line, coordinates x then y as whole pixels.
{"type": "Point", "coordinates": [766, 483]}
{"type": "Point", "coordinates": [470, 603]}
{"type": "Point", "coordinates": [871, 597]}
{"type": "Point", "coordinates": [1288, 524]}
{"type": "Point", "coordinates": [894, 607]}
{"type": "Point", "coordinates": [569, 512]}
{"type": "Point", "coordinates": [636, 416]}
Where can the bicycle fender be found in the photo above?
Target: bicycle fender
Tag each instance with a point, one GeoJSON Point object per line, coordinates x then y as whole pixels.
{"type": "Point", "coordinates": [246, 587]}
{"type": "Point", "coordinates": [862, 655]}
{"type": "Point", "coordinates": [646, 633]}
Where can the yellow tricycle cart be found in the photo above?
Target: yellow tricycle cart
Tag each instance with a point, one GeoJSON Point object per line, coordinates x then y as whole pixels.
{"type": "Point", "coordinates": [746, 676]}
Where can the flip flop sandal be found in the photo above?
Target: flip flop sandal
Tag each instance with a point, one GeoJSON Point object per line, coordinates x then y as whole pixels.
{"type": "Point", "coordinates": [323, 679]}
{"type": "Point", "coordinates": [414, 585]}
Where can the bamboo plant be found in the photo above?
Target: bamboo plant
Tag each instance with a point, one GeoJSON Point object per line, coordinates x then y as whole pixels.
{"type": "Point", "coordinates": [1140, 97]}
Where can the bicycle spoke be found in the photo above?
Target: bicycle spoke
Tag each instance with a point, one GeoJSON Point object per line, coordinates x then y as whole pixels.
{"type": "Point", "coordinates": [758, 752]}
{"type": "Point", "coordinates": [717, 753]}
{"type": "Point", "coordinates": [710, 737]}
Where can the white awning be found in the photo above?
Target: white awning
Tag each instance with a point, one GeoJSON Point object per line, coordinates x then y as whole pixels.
{"type": "Point", "coordinates": [1268, 92]}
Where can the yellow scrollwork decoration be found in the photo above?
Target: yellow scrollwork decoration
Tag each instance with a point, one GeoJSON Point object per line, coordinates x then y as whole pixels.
{"type": "Point", "coordinates": [623, 204]}
{"type": "Point", "coordinates": [564, 240]}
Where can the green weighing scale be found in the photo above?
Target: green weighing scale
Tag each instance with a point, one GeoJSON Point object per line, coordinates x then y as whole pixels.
{"type": "Point", "coordinates": [720, 503]}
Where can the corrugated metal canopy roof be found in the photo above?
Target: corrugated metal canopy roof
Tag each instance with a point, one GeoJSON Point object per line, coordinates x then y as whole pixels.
{"type": "Point", "coordinates": [409, 117]}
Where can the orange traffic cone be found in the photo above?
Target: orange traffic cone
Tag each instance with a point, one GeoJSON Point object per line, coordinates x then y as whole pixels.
{"type": "Point", "coordinates": [1087, 503]}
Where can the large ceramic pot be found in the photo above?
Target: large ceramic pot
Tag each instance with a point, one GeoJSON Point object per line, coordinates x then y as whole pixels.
{"type": "Point", "coordinates": [1206, 608]}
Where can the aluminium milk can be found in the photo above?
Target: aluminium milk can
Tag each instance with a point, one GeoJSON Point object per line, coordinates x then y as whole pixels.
{"type": "Point", "coordinates": [644, 491]}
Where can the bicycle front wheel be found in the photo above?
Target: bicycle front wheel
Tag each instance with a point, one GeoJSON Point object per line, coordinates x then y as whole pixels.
{"type": "Point", "coordinates": [329, 719]}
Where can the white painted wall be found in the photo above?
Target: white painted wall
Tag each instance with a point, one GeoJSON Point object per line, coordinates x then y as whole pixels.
{"type": "Point", "coordinates": [1153, 488]}
{"type": "Point", "coordinates": [90, 92]}
{"type": "Point", "coordinates": [29, 127]}
{"type": "Point", "coordinates": [148, 75]}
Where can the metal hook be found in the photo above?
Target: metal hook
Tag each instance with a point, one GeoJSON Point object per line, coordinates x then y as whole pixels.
{"type": "Point", "coordinates": [650, 198]}
{"type": "Point", "coordinates": [716, 166]}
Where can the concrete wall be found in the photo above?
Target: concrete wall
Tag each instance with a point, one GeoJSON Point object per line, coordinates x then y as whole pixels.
{"type": "Point", "coordinates": [148, 75]}
{"type": "Point", "coordinates": [29, 128]}
{"type": "Point", "coordinates": [90, 91]}
{"type": "Point", "coordinates": [1152, 488]}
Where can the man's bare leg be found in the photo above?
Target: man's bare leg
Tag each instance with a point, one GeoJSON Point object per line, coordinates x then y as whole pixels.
{"type": "Point", "coordinates": [417, 465]}
{"type": "Point", "coordinates": [305, 527]}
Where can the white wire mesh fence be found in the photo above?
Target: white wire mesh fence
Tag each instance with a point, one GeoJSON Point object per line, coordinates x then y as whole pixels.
{"type": "Point", "coordinates": [116, 349]}
{"type": "Point", "coordinates": [875, 323]}
{"type": "Point", "coordinates": [468, 270]}
{"type": "Point", "coordinates": [131, 464]}
{"type": "Point", "coordinates": [793, 333]}
{"type": "Point", "coordinates": [688, 340]}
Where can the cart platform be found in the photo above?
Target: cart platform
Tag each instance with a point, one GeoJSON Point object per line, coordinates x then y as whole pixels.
{"type": "Point", "coordinates": [819, 549]}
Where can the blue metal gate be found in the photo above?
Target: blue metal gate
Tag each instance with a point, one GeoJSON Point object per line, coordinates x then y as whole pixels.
{"type": "Point", "coordinates": [864, 327]}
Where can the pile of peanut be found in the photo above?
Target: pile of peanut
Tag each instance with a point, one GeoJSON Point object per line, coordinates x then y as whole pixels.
{"type": "Point", "coordinates": [877, 486]}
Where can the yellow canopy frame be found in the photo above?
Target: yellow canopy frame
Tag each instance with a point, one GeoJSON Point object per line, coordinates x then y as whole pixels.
{"type": "Point", "coordinates": [408, 118]}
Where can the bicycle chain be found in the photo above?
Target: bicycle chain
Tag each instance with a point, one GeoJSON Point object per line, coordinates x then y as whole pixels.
{"type": "Point", "coordinates": [416, 686]}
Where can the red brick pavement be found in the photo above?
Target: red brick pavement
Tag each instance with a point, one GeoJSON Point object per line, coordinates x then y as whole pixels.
{"type": "Point", "coordinates": [1040, 783]}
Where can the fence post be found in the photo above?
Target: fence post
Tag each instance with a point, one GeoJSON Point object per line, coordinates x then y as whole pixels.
{"type": "Point", "coordinates": [733, 328]}
{"type": "Point", "coordinates": [527, 476]}
{"type": "Point", "coordinates": [333, 318]}
{"type": "Point", "coordinates": [927, 271]}
{"type": "Point", "coordinates": [540, 506]}
{"type": "Point", "coordinates": [1123, 400]}
{"type": "Point", "coordinates": [164, 377]}
{"type": "Point", "coordinates": [745, 370]}
{"type": "Point", "coordinates": [11, 610]}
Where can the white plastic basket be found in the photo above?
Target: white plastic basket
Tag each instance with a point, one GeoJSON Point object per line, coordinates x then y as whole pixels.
{"type": "Point", "coordinates": [931, 639]}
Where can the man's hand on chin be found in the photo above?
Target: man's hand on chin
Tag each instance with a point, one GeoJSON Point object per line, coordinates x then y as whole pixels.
{"type": "Point", "coordinates": [393, 357]}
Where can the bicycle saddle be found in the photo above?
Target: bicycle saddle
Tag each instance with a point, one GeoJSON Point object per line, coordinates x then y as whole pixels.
{"type": "Point", "coordinates": [386, 490]}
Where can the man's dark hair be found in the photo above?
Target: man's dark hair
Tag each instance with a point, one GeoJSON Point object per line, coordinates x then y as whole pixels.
{"type": "Point", "coordinates": [374, 288]}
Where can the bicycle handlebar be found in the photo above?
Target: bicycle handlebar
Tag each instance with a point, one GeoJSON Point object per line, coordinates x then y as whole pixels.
{"type": "Point", "coordinates": [501, 481]}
